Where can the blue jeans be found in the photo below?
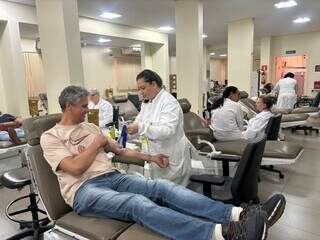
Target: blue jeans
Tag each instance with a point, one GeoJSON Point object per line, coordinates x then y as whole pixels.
{"type": "Point", "coordinates": [4, 136]}
{"type": "Point", "coordinates": [160, 205]}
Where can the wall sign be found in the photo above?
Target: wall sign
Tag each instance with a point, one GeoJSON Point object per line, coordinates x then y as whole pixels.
{"type": "Point", "coordinates": [291, 52]}
{"type": "Point", "coordinates": [317, 68]}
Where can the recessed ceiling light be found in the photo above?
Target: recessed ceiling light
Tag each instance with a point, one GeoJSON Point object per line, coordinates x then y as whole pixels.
{"type": "Point", "coordinates": [110, 15]}
{"type": "Point", "coordinates": [212, 54]}
{"type": "Point", "coordinates": [302, 20]}
{"type": "Point", "coordinates": [223, 55]}
{"type": "Point", "coordinates": [165, 28]}
{"type": "Point", "coordinates": [286, 4]}
{"type": "Point", "coordinates": [104, 40]}
{"type": "Point", "coordinates": [204, 35]}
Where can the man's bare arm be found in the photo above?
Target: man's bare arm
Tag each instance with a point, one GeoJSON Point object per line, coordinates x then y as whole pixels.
{"type": "Point", "coordinates": [160, 159]}
{"type": "Point", "coordinates": [78, 164]}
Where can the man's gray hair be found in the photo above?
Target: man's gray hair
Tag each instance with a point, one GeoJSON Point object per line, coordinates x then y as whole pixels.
{"type": "Point", "coordinates": [72, 95]}
{"type": "Point", "coordinates": [93, 92]}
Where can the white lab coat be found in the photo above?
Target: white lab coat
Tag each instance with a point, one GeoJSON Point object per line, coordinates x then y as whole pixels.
{"type": "Point", "coordinates": [287, 92]}
{"type": "Point", "coordinates": [227, 121]}
{"type": "Point", "coordinates": [257, 124]}
{"type": "Point", "coordinates": [105, 112]}
{"type": "Point", "coordinates": [161, 121]}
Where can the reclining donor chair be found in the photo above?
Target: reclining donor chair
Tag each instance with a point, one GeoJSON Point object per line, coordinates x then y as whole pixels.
{"type": "Point", "coordinates": [66, 222]}
{"type": "Point", "coordinates": [275, 152]}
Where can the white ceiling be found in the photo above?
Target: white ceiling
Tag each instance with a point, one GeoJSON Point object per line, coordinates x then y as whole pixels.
{"type": "Point", "coordinates": [268, 20]}
{"type": "Point", "coordinates": [152, 14]}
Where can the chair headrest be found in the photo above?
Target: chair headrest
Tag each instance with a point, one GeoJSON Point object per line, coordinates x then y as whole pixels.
{"type": "Point", "coordinates": [185, 105]}
{"type": "Point", "coordinates": [120, 98]}
{"type": "Point", "coordinates": [244, 94]}
{"type": "Point", "coordinates": [34, 127]}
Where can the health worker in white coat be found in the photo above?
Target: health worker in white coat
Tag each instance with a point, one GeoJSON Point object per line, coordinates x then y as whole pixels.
{"type": "Point", "coordinates": [259, 122]}
{"type": "Point", "coordinates": [227, 116]}
{"type": "Point", "coordinates": [105, 108]}
{"type": "Point", "coordinates": [287, 89]}
{"type": "Point", "coordinates": [160, 122]}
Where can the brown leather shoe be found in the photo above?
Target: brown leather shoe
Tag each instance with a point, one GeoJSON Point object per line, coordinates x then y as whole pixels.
{"type": "Point", "coordinates": [13, 136]}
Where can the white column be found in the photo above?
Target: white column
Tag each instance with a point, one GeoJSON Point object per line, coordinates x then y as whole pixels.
{"type": "Point", "coordinates": [240, 51]}
{"type": "Point", "coordinates": [189, 51]}
{"type": "Point", "coordinates": [14, 96]}
{"type": "Point", "coordinates": [146, 58]}
{"type": "Point", "coordinates": [265, 56]}
{"type": "Point", "coordinates": [156, 57]}
{"type": "Point", "coordinates": [60, 45]}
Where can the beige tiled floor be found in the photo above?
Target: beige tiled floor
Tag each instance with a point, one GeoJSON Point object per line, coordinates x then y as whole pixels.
{"type": "Point", "coordinates": [301, 186]}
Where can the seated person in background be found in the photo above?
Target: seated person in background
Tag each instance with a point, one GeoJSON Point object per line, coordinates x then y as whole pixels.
{"type": "Point", "coordinates": [10, 128]}
{"type": "Point", "coordinates": [76, 151]}
{"type": "Point", "coordinates": [226, 116]}
{"type": "Point", "coordinates": [105, 108]}
{"type": "Point", "coordinates": [259, 122]}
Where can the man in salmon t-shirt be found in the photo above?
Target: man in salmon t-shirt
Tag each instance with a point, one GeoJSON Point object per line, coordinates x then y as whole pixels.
{"type": "Point", "coordinates": [76, 151]}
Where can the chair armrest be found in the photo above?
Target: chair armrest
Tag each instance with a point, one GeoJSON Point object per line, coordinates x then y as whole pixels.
{"type": "Point", "coordinates": [6, 125]}
{"type": "Point", "coordinates": [226, 158]}
{"type": "Point", "coordinates": [128, 160]}
{"type": "Point", "coordinates": [199, 132]}
{"type": "Point", "coordinates": [208, 179]}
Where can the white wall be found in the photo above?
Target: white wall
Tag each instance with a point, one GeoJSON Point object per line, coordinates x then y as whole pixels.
{"type": "Point", "coordinates": [97, 68]}
{"type": "Point", "coordinates": [306, 43]}
{"type": "Point", "coordinates": [218, 70]}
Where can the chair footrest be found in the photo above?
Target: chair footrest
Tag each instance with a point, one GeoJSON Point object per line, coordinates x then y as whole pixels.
{"type": "Point", "coordinates": [208, 179]}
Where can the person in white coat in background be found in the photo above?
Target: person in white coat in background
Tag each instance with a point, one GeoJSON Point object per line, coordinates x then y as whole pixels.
{"type": "Point", "coordinates": [105, 108]}
{"type": "Point", "coordinates": [227, 116]}
{"type": "Point", "coordinates": [259, 122]}
{"type": "Point", "coordinates": [287, 89]}
{"type": "Point", "coordinates": [160, 123]}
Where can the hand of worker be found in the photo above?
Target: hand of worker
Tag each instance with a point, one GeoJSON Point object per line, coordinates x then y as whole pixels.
{"type": "Point", "coordinates": [133, 128]}
{"type": "Point", "coordinates": [161, 160]}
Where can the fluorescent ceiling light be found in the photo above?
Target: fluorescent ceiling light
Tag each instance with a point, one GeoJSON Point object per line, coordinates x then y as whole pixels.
{"type": "Point", "coordinates": [136, 49]}
{"type": "Point", "coordinates": [302, 20]}
{"type": "Point", "coordinates": [204, 35]}
{"type": "Point", "coordinates": [165, 28]}
{"type": "Point", "coordinates": [136, 46]}
{"type": "Point", "coordinates": [110, 15]}
{"type": "Point", "coordinates": [104, 40]}
{"type": "Point", "coordinates": [223, 55]}
{"type": "Point", "coordinates": [286, 4]}
{"type": "Point", "coordinates": [212, 54]}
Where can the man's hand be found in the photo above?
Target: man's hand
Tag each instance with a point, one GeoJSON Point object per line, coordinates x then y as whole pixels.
{"type": "Point", "coordinates": [100, 141]}
{"type": "Point", "coordinates": [133, 128]}
{"type": "Point", "coordinates": [161, 160]}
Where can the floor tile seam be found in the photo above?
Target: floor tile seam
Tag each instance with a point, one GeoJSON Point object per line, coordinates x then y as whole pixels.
{"type": "Point", "coordinates": [303, 206]}
{"type": "Point", "coordinates": [306, 188]}
{"type": "Point", "coordinates": [302, 230]}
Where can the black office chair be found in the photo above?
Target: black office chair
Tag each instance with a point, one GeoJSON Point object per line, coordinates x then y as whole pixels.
{"type": "Point", "coordinates": [272, 132]}
{"type": "Point", "coordinates": [243, 187]}
{"type": "Point", "coordinates": [17, 179]}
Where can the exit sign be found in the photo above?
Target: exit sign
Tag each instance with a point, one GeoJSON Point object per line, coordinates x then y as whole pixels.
{"type": "Point", "coordinates": [291, 52]}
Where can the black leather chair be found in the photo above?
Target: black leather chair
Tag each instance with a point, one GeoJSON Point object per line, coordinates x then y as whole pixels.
{"type": "Point", "coordinates": [115, 119]}
{"type": "Point", "coordinates": [243, 187]}
{"type": "Point", "coordinates": [272, 132]}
